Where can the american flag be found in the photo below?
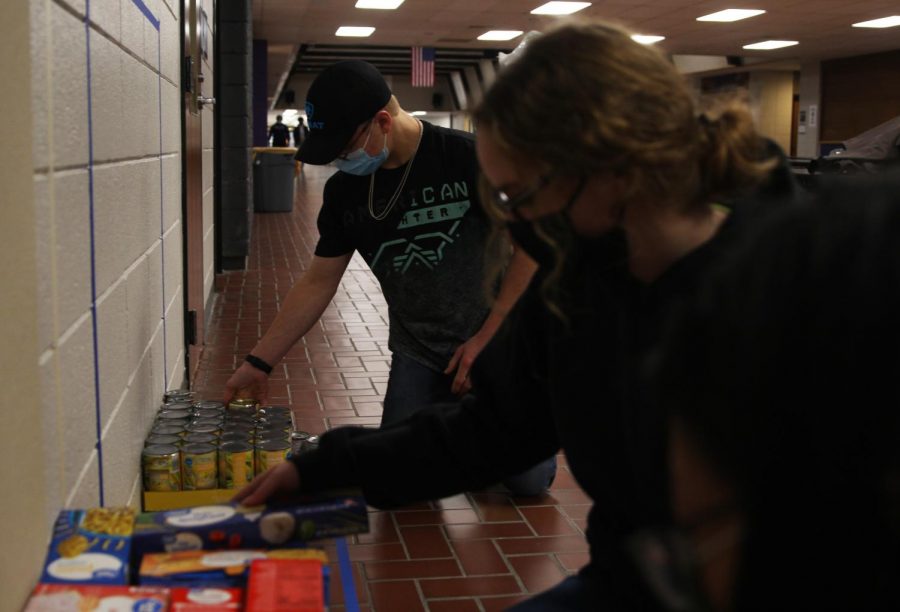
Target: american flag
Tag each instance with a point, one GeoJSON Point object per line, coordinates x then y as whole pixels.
{"type": "Point", "coordinates": [423, 66]}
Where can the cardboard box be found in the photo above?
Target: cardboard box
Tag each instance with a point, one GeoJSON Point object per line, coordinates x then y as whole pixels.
{"type": "Point", "coordinates": [96, 598]}
{"type": "Point", "coordinates": [206, 600]}
{"type": "Point", "coordinates": [283, 585]}
{"type": "Point", "coordinates": [90, 546]}
{"type": "Point", "coordinates": [230, 526]}
{"type": "Point", "coordinates": [174, 500]}
{"type": "Point", "coordinates": [223, 568]}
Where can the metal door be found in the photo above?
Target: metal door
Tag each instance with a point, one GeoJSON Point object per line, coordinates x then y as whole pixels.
{"type": "Point", "coordinates": [195, 100]}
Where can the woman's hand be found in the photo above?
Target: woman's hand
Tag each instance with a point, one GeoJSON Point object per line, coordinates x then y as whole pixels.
{"type": "Point", "coordinates": [283, 478]}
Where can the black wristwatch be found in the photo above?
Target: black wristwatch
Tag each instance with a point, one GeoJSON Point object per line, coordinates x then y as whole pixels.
{"type": "Point", "coordinates": [258, 363]}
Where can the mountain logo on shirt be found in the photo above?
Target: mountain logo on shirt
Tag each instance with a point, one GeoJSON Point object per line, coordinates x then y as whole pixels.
{"type": "Point", "coordinates": [437, 227]}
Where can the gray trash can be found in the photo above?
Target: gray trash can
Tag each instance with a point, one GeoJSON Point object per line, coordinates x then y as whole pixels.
{"type": "Point", "coordinates": [273, 182]}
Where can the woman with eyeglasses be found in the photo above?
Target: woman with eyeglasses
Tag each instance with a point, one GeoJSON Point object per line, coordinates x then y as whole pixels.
{"type": "Point", "coordinates": [595, 162]}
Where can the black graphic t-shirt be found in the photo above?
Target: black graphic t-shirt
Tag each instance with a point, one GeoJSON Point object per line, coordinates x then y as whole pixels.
{"type": "Point", "coordinates": [427, 252]}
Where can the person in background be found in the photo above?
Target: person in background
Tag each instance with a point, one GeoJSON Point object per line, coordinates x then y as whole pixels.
{"type": "Point", "coordinates": [279, 133]}
{"type": "Point", "coordinates": [300, 132]}
{"type": "Point", "coordinates": [618, 199]}
{"type": "Point", "coordinates": [405, 198]}
{"type": "Point", "coordinates": [781, 382]}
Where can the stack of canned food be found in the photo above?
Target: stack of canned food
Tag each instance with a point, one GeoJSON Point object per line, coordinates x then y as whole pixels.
{"type": "Point", "coordinates": [202, 444]}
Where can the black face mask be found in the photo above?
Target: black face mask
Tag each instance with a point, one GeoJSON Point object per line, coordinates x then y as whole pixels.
{"type": "Point", "coordinates": [523, 231]}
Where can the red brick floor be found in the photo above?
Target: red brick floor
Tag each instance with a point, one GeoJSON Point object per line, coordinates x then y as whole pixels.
{"type": "Point", "coordinates": [473, 552]}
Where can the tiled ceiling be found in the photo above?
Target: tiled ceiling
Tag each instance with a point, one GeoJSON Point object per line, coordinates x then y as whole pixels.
{"type": "Point", "coordinates": [302, 31]}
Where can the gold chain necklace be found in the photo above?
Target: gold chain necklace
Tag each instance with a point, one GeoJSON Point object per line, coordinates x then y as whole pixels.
{"type": "Point", "coordinates": [396, 195]}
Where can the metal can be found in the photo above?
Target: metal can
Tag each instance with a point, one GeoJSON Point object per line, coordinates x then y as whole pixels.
{"type": "Point", "coordinates": [207, 429]}
{"type": "Point", "coordinates": [236, 464]}
{"type": "Point", "coordinates": [209, 413]}
{"type": "Point", "coordinates": [173, 415]}
{"type": "Point", "coordinates": [270, 454]}
{"type": "Point", "coordinates": [153, 439]}
{"type": "Point", "coordinates": [240, 424]}
{"type": "Point", "coordinates": [176, 395]}
{"type": "Point", "coordinates": [312, 443]}
{"type": "Point", "coordinates": [244, 403]}
{"type": "Point", "coordinates": [209, 405]}
{"type": "Point", "coordinates": [201, 438]}
{"type": "Point", "coordinates": [198, 466]}
{"type": "Point", "coordinates": [275, 410]}
{"type": "Point", "coordinates": [209, 422]}
{"type": "Point", "coordinates": [298, 442]}
{"type": "Point", "coordinates": [284, 426]}
{"type": "Point", "coordinates": [187, 406]}
{"type": "Point", "coordinates": [272, 436]}
{"type": "Point", "coordinates": [236, 436]}
{"type": "Point", "coordinates": [167, 429]}
{"type": "Point", "coordinates": [161, 468]}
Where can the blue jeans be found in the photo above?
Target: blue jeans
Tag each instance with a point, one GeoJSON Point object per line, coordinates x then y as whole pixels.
{"type": "Point", "coordinates": [411, 386]}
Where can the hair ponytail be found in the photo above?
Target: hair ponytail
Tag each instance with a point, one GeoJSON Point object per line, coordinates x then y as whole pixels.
{"type": "Point", "coordinates": [732, 154]}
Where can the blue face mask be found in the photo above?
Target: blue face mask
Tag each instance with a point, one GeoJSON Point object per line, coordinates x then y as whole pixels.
{"type": "Point", "coordinates": [360, 163]}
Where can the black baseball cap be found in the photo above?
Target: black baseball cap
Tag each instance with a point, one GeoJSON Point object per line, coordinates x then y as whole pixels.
{"type": "Point", "coordinates": [342, 98]}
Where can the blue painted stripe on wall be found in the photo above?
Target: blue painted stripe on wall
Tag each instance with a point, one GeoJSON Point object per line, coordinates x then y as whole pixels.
{"type": "Point", "coordinates": [146, 11]}
{"type": "Point", "coordinates": [90, 168]}
{"type": "Point", "coordinates": [162, 228]}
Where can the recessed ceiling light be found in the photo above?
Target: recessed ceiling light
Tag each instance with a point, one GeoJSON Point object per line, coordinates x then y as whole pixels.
{"type": "Point", "coordinates": [418, 113]}
{"type": "Point", "coordinates": [646, 39]}
{"type": "Point", "coordinates": [731, 15]}
{"type": "Point", "coordinates": [500, 35]}
{"type": "Point", "coordinates": [884, 22]}
{"type": "Point", "coordinates": [560, 8]}
{"type": "Point", "coordinates": [378, 4]}
{"type": "Point", "coordinates": [354, 31]}
{"type": "Point", "coordinates": [767, 45]}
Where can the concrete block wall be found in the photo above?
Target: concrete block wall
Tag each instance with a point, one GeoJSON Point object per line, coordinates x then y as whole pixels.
{"type": "Point", "coordinates": [107, 188]}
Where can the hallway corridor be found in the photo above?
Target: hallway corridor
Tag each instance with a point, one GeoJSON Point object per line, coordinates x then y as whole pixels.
{"type": "Point", "coordinates": [475, 552]}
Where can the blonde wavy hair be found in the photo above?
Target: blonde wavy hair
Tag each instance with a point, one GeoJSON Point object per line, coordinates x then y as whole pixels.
{"type": "Point", "coordinates": [584, 99]}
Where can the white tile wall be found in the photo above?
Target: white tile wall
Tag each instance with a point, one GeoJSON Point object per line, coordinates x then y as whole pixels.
{"type": "Point", "coordinates": [112, 327]}
{"type": "Point", "coordinates": [136, 197]}
{"type": "Point", "coordinates": [107, 100]}
{"type": "Point", "coordinates": [171, 185]}
{"type": "Point", "coordinates": [71, 202]}
{"type": "Point", "coordinates": [40, 100]}
{"type": "Point", "coordinates": [138, 359]}
{"type": "Point", "coordinates": [76, 382]}
{"type": "Point", "coordinates": [68, 89]}
{"type": "Point", "coordinates": [107, 16]}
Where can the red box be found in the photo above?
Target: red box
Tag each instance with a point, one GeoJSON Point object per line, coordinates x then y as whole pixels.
{"type": "Point", "coordinates": [90, 597]}
{"type": "Point", "coordinates": [285, 585]}
{"type": "Point", "coordinates": [206, 600]}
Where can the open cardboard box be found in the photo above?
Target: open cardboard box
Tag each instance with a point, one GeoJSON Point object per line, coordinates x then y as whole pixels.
{"type": "Point", "coordinates": [175, 500]}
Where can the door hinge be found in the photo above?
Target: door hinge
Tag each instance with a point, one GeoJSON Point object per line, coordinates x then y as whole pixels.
{"type": "Point", "coordinates": [190, 327]}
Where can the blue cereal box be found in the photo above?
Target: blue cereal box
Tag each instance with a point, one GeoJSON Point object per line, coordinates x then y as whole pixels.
{"type": "Point", "coordinates": [232, 526]}
{"type": "Point", "coordinates": [90, 546]}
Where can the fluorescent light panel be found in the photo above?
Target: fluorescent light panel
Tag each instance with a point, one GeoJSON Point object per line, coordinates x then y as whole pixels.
{"type": "Point", "coordinates": [731, 15]}
{"type": "Point", "coordinates": [560, 8]}
{"type": "Point", "coordinates": [378, 4]}
{"type": "Point", "coordinates": [500, 35]}
{"type": "Point", "coordinates": [885, 22]}
{"type": "Point", "coordinates": [768, 45]}
{"type": "Point", "coordinates": [418, 113]}
{"type": "Point", "coordinates": [354, 31]}
{"type": "Point", "coordinates": [646, 39]}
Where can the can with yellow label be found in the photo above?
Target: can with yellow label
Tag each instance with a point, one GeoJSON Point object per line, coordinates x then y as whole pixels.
{"type": "Point", "coordinates": [270, 453]}
{"type": "Point", "coordinates": [235, 465]}
{"type": "Point", "coordinates": [198, 466]}
{"type": "Point", "coordinates": [160, 467]}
